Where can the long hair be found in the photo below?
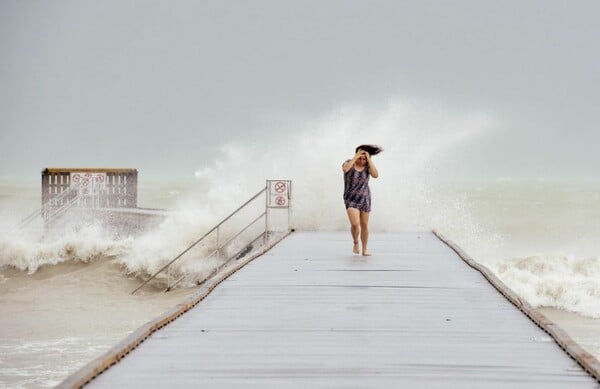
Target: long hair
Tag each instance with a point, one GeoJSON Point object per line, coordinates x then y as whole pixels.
{"type": "Point", "coordinates": [371, 149]}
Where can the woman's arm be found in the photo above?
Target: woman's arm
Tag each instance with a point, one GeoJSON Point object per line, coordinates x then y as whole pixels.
{"type": "Point", "coordinates": [372, 169]}
{"type": "Point", "coordinates": [348, 164]}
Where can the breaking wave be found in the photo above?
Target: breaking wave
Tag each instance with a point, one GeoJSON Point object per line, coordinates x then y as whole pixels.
{"type": "Point", "coordinates": [29, 251]}
{"type": "Point", "coordinates": [418, 139]}
{"type": "Point", "coordinates": [560, 282]}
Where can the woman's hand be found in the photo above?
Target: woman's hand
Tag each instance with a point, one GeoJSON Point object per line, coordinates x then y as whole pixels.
{"type": "Point", "coordinates": [348, 164]}
{"type": "Point", "coordinates": [372, 169]}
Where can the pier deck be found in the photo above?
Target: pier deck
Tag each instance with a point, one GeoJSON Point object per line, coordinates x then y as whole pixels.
{"type": "Point", "coordinates": [308, 313]}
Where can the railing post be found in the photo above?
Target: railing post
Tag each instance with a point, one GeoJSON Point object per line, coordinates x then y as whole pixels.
{"type": "Point", "coordinates": [169, 277]}
{"type": "Point", "coordinates": [218, 245]}
{"type": "Point", "coordinates": [266, 236]}
{"type": "Point", "coordinates": [289, 205]}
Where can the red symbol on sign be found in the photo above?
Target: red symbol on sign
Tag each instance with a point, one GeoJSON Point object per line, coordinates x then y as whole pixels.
{"type": "Point", "coordinates": [280, 187]}
{"type": "Point", "coordinates": [280, 200]}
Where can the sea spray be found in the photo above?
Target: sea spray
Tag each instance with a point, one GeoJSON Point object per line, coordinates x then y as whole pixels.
{"type": "Point", "coordinates": [546, 246]}
{"type": "Point", "coordinates": [562, 282]}
{"type": "Point", "coordinates": [28, 251]}
{"type": "Point", "coordinates": [157, 247]}
{"type": "Point", "coordinates": [418, 140]}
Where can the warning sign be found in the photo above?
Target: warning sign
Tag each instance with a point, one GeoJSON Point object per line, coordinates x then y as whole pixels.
{"type": "Point", "coordinates": [280, 187]}
{"type": "Point", "coordinates": [280, 200]}
{"type": "Point", "coordinates": [278, 193]}
{"type": "Point", "coordinates": [88, 183]}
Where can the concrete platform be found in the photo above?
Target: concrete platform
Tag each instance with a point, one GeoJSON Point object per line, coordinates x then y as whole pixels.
{"type": "Point", "coordinates": [310, 314]}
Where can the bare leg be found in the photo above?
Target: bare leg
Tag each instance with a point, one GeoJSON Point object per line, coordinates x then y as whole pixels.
{"type": "Point", "coordinates": [354, 217]}
{"type": "Point", "coordinates": [364, 232]}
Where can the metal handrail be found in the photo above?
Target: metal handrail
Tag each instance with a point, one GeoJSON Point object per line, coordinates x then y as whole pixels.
{"type": "Point", "coordinates": [65, 207]}
{"type": "Point", "coordinates": [199, 240]}
{"type": "Point", "coordinates": [238, 234]}
{"type": "Point", "coordinates": [46, 207]}
{"type": "Point", "coordinates": [28, 219]}
{"type": "Point", "coordinates": [251, 242]}
{"type": "Point", "coordinates": [216, 270]}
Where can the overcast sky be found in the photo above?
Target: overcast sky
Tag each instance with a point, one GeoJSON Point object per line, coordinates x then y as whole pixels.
{"type": "Point", "coordinates": [161, 85]}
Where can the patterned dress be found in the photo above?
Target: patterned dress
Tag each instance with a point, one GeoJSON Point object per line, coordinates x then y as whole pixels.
{"type": "Point", "coordinates": [356, 189]}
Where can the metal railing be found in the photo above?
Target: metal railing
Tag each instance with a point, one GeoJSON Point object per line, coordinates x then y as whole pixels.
{"type": "Point", "coordinates": [219, 249]}
{"type": "Point", "coordinates": [52, 209]}
{"type": "Point", "coordinates": [55, 213]}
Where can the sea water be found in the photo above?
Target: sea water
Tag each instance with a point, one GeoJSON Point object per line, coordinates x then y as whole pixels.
{"type": "Point", "coordinates": [542, 240]}
{"type": "Point", "coordinates": [65, 297]}
{"type": "Point", "coordinates": [67, 300]}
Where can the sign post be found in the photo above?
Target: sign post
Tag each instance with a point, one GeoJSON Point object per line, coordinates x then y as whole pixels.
{"type": "Point", "coordinates": [278, 198]}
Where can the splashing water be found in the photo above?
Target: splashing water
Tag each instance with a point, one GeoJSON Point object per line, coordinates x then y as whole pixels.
{"type": "Point", "coordinates": [562, 282]}
{"type": "Point", "coordinates": [417, 139]}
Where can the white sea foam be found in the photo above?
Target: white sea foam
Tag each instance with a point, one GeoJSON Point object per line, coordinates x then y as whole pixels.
{"type": "Point", "coordinates": [560, 282]}
{"type": "Point", "coordinates": [27, 250]}
{"type": "Point", "coordinates": [492, 222]}
{"type": "Point", "coordinates": [417, 139]}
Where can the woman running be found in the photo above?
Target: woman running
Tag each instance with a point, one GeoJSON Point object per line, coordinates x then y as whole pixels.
{"type": "Point", "coordinates": [357, 195]}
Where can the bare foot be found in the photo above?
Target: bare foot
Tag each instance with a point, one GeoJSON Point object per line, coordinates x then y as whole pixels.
{"type": "Point", "coordinates": [355, 248]}
{"type": "Point", "coordinates": [366, 254]}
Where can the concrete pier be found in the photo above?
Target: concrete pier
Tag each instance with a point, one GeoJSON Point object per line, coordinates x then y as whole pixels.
{"type": "Point", "coordinates": [309, 313]}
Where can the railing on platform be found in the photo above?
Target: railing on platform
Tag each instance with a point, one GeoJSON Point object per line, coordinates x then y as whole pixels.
{"type": "Point", "coordinates": [277, 196]}
{"type": "Point", "coordinates": [83, 188]}
{"type": "Point", "coordinates": [52, 209]}
{"type": "Point", "coordinates": [96, 187]}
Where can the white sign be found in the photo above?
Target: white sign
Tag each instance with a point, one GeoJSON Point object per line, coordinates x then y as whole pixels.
{"type": "Point", "coordinates": [278, 193]}
{"type": "Point", "coordinates": [88, 183]}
